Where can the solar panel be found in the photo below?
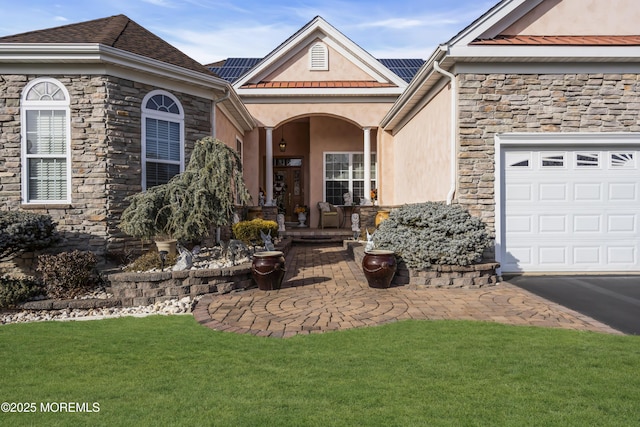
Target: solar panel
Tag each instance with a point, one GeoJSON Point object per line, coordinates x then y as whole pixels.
{"type": "Point", "coordinates": [404, 68]}
{"type": "Point", "coordinates": [234, 68]}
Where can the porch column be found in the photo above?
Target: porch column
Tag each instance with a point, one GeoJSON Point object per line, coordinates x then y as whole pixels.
{"type": "Point", "coordinates": [268, 179]}
{"type": "Point", "coordinates": [367, 165]}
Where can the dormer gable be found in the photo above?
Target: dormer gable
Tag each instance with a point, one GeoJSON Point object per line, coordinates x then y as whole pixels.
{"type": "Point", "coordinates": [319, 56]}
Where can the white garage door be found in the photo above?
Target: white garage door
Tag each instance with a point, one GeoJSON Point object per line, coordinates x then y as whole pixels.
{"type": "Point", "coordinates": [570, 210]}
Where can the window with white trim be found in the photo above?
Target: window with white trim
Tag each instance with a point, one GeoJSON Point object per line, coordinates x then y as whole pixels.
{"type": "Point", "coordinates": [162, 138]}
{"type": "Point", "coordinates": [318, 57]}
{"type": "Point", "coordinates": [343, 173]}
{"type": "Point", "coordinates": [46, 142]}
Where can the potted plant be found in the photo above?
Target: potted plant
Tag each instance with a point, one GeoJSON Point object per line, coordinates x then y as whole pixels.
{"type": "Point", "coordinates": [302, 215]}
{"type": "Point", "coordinates": [193, 202]}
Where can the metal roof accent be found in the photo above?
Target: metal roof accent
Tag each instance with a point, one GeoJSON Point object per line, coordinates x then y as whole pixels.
{"type": "Point", "coordinates": [318, 84]}
{"type": "Point", "coordinates": [523, 40]}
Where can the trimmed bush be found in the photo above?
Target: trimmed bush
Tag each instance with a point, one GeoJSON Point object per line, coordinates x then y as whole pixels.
{"type": "Point", "coordinates": [67, 274]}
{"type": "Point", "coordinates": [25, 232]}
{"type": "Point", "coordinates": [149, 261]}
{"type": "Point", "coordinates": [249, 231]}
{"type": "Point", "coordinates": [433, 233]}
{"type": "Point", "coordinates": [14, 291]}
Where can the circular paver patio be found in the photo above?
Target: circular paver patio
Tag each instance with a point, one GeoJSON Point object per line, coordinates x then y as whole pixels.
{"type": "Point", "coordinates": [325, 290]}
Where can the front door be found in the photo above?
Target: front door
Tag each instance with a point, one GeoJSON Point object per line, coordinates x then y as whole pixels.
{"type": "Point", "coordinates": [288, 189]}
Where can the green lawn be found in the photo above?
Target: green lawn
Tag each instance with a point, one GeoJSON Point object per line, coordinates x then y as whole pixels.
{"type": "Point", "coordinates": [165, 371]}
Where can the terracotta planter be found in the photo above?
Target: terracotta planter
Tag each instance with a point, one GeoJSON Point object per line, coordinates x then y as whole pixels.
{"type": "Point", "coordinates": [167, 245]}
{"type": "Point", "coordinates": [379, 266]}
{"type": "Point", "coordinates": [268, 270]}
{"type": "Point", "coordinates": [381, 216]}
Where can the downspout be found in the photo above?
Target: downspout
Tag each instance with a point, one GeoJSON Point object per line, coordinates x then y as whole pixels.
{"type": "Point", "coordinates": [453, 174]}
{"type": "Point", "coordinates": [227, 94]}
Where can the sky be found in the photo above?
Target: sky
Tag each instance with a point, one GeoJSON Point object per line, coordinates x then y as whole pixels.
{"type": "Point", "coordinates": [210, 31]}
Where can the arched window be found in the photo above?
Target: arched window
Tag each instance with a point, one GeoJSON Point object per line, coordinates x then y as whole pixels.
{"type": "Point", "coordinates": [319, 57]}
{"type": "Point", "coordinates": [162, 138]}
{"type": "Point", "coordinates": [46, 142]}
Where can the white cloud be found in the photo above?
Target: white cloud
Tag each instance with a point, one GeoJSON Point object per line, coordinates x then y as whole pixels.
{"type": "Point", "coordinates": [213, 45]}
{"type": "Point", "coordinates": [60, 19]}
{"type": "Point", "coordinates": [161, 3]}
{"type": "Point", "coordinates": [395, 23]}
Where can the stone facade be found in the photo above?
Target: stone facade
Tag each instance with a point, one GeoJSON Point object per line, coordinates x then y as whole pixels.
{"type": "Point", "coordinates": [490, 104]}
{"type": "Point", "coordinates": [105, 154]}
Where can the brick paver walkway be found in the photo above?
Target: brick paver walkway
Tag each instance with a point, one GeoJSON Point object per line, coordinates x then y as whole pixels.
{"type": "Point", "coordinates": [324, 290]}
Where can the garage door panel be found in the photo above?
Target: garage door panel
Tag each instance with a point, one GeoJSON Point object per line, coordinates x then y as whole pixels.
{"type": "Point", "coordinates": [552, 191]}
{"type": "Point", "coordinates": [622, 223]}
{"type": "Point", "coordinates": [552, 255]}
{"type": "Point", "coordinates": [552, 224]}
{"type": "Point", "coordinates": [587, 192]}
{"type": "Point", "coordinates": [519, 224]}
{"type": "Point", "coordinates": [571, 210]}
{"type": "Point", "coordinates": [625, 191]}
{"type": "Point", "coordinates": [587, 255]}
{"type": "Point", "coordinates": [521, 192]}
{"type": "Point", "coordinates": [587, 223]}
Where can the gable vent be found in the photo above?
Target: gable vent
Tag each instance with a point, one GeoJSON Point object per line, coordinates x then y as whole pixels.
{"type": "Point", "coordinates": [319, 57]}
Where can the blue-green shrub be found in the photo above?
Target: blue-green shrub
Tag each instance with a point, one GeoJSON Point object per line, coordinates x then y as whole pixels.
{"type": "Point", "coordinates": [433, 233]}
{"type": "Point", "coordinates": [25, 232]}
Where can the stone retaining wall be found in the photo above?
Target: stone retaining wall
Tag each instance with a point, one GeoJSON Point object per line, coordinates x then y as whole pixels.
{"type": "Point", "coordinates": [438, 276]}
{"type": "Point", "coordinates": [134, 289]}
{"type": "Point", "coordinates": [147, 288]}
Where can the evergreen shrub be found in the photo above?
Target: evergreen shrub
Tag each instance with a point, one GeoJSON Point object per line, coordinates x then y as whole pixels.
{"type": "Point", "coordinates": [193, 202]}
{"type": "Point", "coordinates": [16, 290]}
{"type": "Point", "coordinates": [149, 261]}
{"type": "Point", "coordinates": [25, 232]}
{"type": "Point", "coordinates": [433, 233]}
{"type": "Point", "coordinates": [249, 231]}
{"type": "Point", "coordinates": [67, 274]}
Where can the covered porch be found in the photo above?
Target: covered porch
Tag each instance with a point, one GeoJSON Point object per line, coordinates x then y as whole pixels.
{"type": "Point", "coordinates": [312, 159]}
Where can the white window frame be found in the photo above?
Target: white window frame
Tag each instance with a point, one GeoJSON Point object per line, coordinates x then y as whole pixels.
{"type": "Point", "coordinates": [240, 149]}
{"type": "Point", "coordinates": [318, 57]}
{"type": "Point", "coordinates": [165, 116]}
{"type": "Point", "coordinates": [374, 166]}
{"type": "Point", "coordinates": [48, 105]}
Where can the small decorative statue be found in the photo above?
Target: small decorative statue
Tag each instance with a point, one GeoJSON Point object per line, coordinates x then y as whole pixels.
{"type": "Point", "coordinates": [370, 245]}
{"type": "Point", "coordinates": [280, 220]}
{"type": "Point", "coordinates": [266, 238]}
{"type": "Point", "coordinates": [348, 199]}
{"type": "Point", "coordinates": [185, 259]}
{"type": "Point", "coordinates": [236, 249]}
{"type": "Point", "coordinates": [355, 225]}
{"type": "Point", "coordinates": [261, 197]}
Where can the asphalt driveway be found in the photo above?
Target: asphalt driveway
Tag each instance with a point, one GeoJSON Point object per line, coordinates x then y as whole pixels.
{"type": "Point", "coordinates": [611, 299]}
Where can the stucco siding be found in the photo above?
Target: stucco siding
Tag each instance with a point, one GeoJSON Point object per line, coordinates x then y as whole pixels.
{"type": "Point", "coordinates": [421, 160]}
{"type": "Point", "coordinates": [558, 18]}
{"type": "Point", "coordinates": [297, 69]}
{"type": "Point", "coordinates": [330, 134]}
{"type": "Point", "coordinates": [361, 114]}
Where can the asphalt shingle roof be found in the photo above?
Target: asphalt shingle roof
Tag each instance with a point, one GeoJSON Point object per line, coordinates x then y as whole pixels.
{"type": "Point", "coordinates": [116, 31]}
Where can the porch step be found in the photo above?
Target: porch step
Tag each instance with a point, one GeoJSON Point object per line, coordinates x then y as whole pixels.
{"type": "Point", "coordinates": [316, 235]}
